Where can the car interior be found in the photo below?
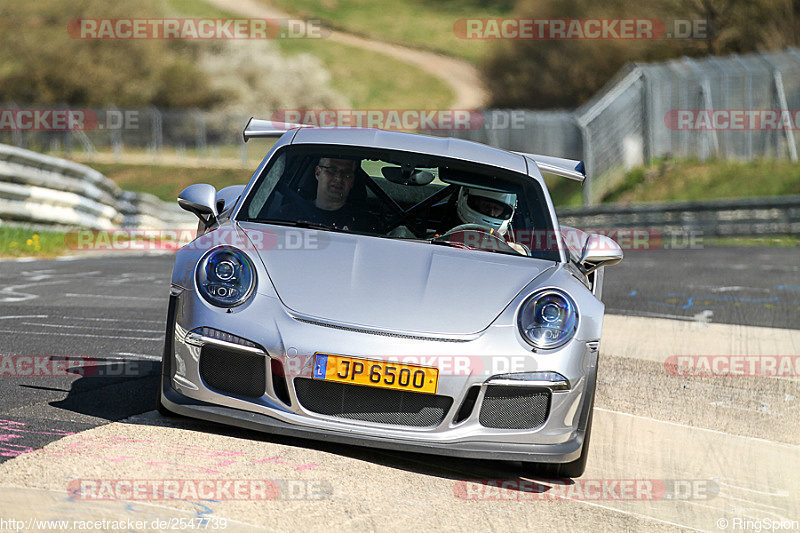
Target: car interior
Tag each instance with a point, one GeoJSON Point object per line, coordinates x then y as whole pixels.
{"type": "Point", "coordinates": [413, 195]}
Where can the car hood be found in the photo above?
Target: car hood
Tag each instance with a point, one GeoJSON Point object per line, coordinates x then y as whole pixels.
{"type": "Point", "coordinates": [386, 284]}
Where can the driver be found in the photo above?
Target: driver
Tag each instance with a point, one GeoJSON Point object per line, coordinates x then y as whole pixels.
{"type": "Point", "coordinates": [332, 206]}
{"type": "Point", "coordinates": [492, 209]}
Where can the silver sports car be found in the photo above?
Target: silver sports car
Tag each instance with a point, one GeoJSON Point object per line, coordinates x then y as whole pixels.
{"type": "Point", "coordinates": [392, 290]}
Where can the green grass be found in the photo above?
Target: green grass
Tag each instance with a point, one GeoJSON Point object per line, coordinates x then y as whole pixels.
{"type": "Point", "coordinates": [367, 79]}
{"type": "Point", "coordinates": [707, 180]}
{"type": "Point", "coordinates": [18, 241]}
{"type": "Point", "coordinates": [415, 23]}
{"type": "Point", "coordinates": [166, 181]}
{"type": "Point", "coordinates": [564, 192]}
{"type": "Point", "coordinates": [689, 180]}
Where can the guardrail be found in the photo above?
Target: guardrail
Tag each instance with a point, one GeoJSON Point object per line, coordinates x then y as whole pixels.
{"type": "Point", "coordinates": [745, 217]}
{"type": "Point", "coordinates": [43, 190]}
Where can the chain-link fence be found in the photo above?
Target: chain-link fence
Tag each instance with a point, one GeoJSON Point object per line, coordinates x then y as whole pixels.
{"type": "Point", "coordinates": [734, 107]}
{"type": "Point", "coordinates": [151, 131]}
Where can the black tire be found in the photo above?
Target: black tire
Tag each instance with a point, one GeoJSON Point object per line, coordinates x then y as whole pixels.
{"type": "Point", "coordinates": [165, 359]}
{"type": "Point", "coordinates": [162, 409]}
{"type": "Point", "coordinates": [573, 469]}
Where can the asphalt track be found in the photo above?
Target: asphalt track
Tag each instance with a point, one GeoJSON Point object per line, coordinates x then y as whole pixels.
{"type": "Point", "coordinates": [735, 440]}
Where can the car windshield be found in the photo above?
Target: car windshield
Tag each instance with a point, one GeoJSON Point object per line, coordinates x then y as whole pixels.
{"type": "Point", "coordinates": [403, 195]}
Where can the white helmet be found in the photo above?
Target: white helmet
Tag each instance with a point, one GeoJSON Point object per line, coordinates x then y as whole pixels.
{"type": "Point", "coordinates": [487, 208]}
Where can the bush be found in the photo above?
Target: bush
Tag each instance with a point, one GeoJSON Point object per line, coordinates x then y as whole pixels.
{"type": "Point", "coordinates": [559, 73]}
{"type": "Point", "coordinates": [42, 64]}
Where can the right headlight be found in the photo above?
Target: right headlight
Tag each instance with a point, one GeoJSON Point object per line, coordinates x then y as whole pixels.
{"type": "Point", "coordinates": [548, 319]}
{"type": "Point", "coordinates": [226, 277]}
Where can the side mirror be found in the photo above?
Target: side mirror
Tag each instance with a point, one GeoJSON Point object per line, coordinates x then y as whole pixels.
{"type": "Point", "coordinates": [228, 196]}
{"type": "Point", "coordinates": [599, 251]}
{"type": "Point", "coordinates": [200, 199]}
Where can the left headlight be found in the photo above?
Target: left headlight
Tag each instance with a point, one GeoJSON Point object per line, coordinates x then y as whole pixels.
{"type": "Point", "coordinates": [548, 319]}
{"type": "Point", "coordinates": [226, 277]}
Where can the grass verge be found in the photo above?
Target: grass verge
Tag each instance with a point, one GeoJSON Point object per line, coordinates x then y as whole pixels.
{"type": "Point", "coordinates": [166, 181]}
{"type": "Point", "coordinates": [691, 180]}
{"type": "Point", "coordinates": [20, 241]}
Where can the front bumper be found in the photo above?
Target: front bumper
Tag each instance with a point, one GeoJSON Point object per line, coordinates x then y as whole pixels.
{"type": "Point", "coordinates": [559, 439]}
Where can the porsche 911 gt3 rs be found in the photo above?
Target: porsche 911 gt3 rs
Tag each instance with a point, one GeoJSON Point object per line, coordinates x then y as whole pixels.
{"type": "Point", "coordinates": [392, 290]}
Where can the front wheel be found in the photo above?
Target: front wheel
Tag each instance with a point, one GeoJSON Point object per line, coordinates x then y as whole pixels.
{"type": "Point", "coordinates": [572, 469]}
{"type": "Point", "coordinates": [166, 357]}
{"type": "Point", "coordinates": [162, 409]}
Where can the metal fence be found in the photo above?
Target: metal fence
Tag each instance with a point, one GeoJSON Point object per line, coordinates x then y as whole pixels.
{"type": "Point", "coordinates": [153, 131]}
{"type": "Point", "coordinates": [627, 124]}
{"type": "Point", "coordinates": [633, 119]}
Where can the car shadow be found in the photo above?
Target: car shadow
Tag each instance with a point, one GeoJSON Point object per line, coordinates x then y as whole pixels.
{"type": "Point", "coordinates": [109, 388]}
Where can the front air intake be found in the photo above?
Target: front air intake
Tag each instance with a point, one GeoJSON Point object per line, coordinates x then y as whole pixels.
{"type": "Point", "coordinates": [506, 407]}
{"type": "Point", "coordinates": [233, 371]}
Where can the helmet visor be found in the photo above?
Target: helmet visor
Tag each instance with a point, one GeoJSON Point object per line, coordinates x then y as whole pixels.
{"type": "Point", "coordinates": [490, 207]}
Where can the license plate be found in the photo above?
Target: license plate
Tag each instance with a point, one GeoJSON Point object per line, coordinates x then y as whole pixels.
{"type": "Point", "coordinates": [384, 374]}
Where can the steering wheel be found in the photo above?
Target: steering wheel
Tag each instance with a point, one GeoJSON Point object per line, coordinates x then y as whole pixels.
{"type": "Point", "coordinates": [464, 238]}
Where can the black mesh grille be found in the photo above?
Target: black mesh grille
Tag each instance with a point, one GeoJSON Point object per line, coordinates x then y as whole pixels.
{"type": "Point", "coordinates": [371, 404]}
{"type": "Point", "coordinates": [279, 382]}
{"type": "Point", "coordinates": [514, 407]}
{"type": "Point", "coordinates": [468, 404]}
{"type": "Point", "coordinates": [233, 371]}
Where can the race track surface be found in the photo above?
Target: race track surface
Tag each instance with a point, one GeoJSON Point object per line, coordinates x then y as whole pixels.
{"type": "Point", "coordinates": [697, 453]}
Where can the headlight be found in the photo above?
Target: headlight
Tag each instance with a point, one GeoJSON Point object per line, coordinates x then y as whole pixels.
{"type": "Point", "coordinates": [548, 319]}
{"type": "Point", "coordinates": [226, 277]}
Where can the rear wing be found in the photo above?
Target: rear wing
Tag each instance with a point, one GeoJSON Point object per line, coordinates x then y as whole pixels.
{"type": "Point", "coordinates": [566, 168]}
{"type": "Point", "coordinates": [259, 128]}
